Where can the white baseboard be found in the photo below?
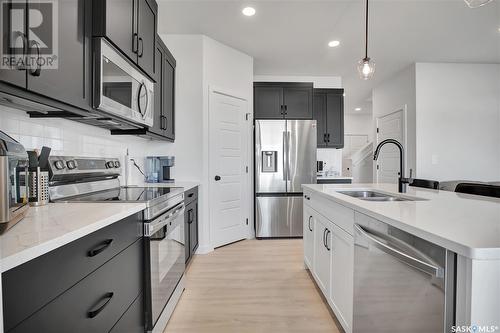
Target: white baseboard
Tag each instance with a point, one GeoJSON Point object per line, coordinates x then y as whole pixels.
{"type": "Point", "coordinates": [204, 250]}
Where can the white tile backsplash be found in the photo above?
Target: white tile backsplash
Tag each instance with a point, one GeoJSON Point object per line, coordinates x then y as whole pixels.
{"type": "Point", "coordinates": [332, 158]}
{"type": "Point", "coordinates": [67, 137]}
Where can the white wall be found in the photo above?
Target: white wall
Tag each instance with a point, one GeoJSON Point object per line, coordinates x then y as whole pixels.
{"type": "Point", "coordinates": [453, 118]}
{"type": "Point", "coordinates": [358, 124]}
{"type": "Point", "coordinates": [458, 121]}
{"type": "Point", "coordinates": [390, 96]}
{"type": "Point", "coordinates": [206, 64]}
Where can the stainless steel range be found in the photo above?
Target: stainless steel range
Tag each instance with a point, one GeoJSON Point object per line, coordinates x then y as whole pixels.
{"type": "Point", "coordinates": [83, 179]}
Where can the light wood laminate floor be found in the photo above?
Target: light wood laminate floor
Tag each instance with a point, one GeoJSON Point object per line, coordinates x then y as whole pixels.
{"type": "Point", "coordinates": [251, 286]}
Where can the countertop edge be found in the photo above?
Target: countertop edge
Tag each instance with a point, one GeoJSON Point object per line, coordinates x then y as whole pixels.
{"type": "Point", "coordinates": [36, 251]}
{"type": "Point", "coordinates": [460, 249]}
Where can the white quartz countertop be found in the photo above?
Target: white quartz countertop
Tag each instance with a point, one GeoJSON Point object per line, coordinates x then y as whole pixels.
{"type": "Point", "coordinates": [333, 177]}
{"type": "Point", "coordinates": [49, 227]}
{"type": "Point", "coordinates": [466, 224]}
{"type": "Point", "coordinates": [187, 185]}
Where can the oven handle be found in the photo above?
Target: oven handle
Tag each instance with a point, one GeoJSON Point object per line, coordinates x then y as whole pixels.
{"type": "Point", "coordinates": [152, 228]}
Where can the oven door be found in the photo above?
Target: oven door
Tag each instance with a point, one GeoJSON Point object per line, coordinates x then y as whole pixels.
{"type": "Point", "coordinates": [120, 89]}
{"type": "Point", "coordinates": [166, 257]}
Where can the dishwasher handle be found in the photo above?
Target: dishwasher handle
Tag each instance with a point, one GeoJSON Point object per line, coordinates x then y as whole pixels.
{"type": "Point", "coordinates": [401, 256]}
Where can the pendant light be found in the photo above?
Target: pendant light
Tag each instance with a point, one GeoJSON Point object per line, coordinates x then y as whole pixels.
{"type": "Point", "coordinates": [366, 66]}
{"type": "Point", "coordinates": [477, 3]}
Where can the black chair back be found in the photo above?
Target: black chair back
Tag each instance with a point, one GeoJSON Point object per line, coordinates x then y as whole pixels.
{"type": "Point", "coordinates": [479, 189]}
{"type": "Point", "coordinates": [424, 183]}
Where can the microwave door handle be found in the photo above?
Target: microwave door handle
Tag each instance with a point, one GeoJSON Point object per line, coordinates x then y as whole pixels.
{"type": "Point", "coordinates": [139, 93]}
{"type": "Point", "coordinates": [146, 107]}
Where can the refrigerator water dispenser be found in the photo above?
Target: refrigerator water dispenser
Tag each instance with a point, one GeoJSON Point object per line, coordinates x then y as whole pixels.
{"type": "Point", "coordinates": [269, 161]}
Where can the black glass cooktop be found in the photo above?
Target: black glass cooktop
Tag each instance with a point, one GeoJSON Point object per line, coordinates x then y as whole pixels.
{"type": "Point", "coordinates": [130, 194]}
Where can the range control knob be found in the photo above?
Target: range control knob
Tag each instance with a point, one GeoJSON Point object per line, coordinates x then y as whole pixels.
{"type": "Point", "coordinates": [59, 165]}
{"type": "Point", "coordinates": [117, 164]}
{"type": "Point", "coordinates": [71, 164]}
{"type": "Point", "coordinates": [110, 164]}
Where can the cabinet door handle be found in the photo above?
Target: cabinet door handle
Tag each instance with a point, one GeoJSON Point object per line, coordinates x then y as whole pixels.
{"type": "Point", "coordinates": [328, 232]}
{"type": "Point", "coordinates": [324, 138]}
{"type": "Point", "coordinates": [38, 69]}
{"type": "Point", "coordinates": [190, 195]}
{"type": "Point", "coordinates": [15, 35]}
{"type": "Point", "coordinates": [286, 109]}
{"type": "Point", "coordinates": [281, 109]}
{"type": "Point", "coordinates": [328, 137]}
{"type": "Point", "coordinates": [324, 237]}
{"type": "Point", "coordinates": [140, 47]}
{"type": "Point", "coordinates": [310, 229]}
{"type": "Point", "coordinates": [99, 248]}
{"type": "Point", "coordinates": [104, 301]}
{"type": "Point", "coordinates": [135, 43]}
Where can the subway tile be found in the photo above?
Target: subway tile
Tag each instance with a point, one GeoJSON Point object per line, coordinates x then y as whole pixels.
{"type": "Point", "coordinates": [52, 132]}
{"type": "Point", "coordinates": [29, 128]}
{"type": "Point", "coordinates": [9, 125]}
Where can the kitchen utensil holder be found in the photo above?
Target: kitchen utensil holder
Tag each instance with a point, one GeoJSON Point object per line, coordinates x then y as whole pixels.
{"type": "Point", "coordinates": [38, 183]}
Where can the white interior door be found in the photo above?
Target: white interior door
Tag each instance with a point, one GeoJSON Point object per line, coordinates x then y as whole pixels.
{"type": "Point", "coordinates": [229, 183]}
{"type": "Point", "coordinates": [391, 126]}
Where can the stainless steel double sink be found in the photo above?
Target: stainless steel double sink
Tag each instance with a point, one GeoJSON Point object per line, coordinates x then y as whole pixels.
{"type": "Point", "coordinates": [375, 196]}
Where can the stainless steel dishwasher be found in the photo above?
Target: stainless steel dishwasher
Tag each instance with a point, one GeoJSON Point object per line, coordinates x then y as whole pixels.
{"type": "Point", "coordinates": [402, 283]}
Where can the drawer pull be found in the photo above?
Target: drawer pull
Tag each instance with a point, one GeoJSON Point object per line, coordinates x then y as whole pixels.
{"type": "Point", "coordinates": [101, 247]}
{"type": "Point", "coordinates": [190, 195]}
{"type": "Point", "coordinates": [104, 301]}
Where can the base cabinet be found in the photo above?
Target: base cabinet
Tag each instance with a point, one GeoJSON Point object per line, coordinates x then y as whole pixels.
{"type": "Point", "coordinates": [308, 234]}
{"type": "Point", "coordinates": [191, 222]}
{"type": "Point", "coordinates": [341, 278]}
{"type": "Point", "coordinates": [329, 255]}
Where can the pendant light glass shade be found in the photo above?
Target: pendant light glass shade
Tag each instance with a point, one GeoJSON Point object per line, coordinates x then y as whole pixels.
{"type": "Point", "coordinates": [476, 3]}
{"type": "Point", "coordinates": [366, 68]}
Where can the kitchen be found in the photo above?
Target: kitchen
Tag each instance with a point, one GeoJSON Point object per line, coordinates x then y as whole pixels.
{"type": "Point", "coordinates": [160, 169]}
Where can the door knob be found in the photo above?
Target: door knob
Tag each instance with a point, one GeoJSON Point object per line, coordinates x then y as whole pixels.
{"type": "Point", "coordinates": [217, 178]}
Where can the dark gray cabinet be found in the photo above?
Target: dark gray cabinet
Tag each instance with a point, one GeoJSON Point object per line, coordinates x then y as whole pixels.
{"type": "Point", "coordinates": [69, 79]}
{"type": "Point", "coordinates": [133, 320]}
{"type": "Point", "coordinates": [329, 114]}
{"type": "Point", "coordinates": [283, 100]}
{"type": "Point", "coordinates": [131, 26]}
{"type": "Point", "coordinates": [54, 292]}
{"type": "Point", "coordinates": [191, 222]}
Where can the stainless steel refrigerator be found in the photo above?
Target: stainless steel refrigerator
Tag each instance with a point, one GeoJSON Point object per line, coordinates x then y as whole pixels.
{"type": "Point", "coordinates": [285, 158]}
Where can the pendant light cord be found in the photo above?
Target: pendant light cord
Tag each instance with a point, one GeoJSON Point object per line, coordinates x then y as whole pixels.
{"type": "Point", "coordinates": [366, 32]}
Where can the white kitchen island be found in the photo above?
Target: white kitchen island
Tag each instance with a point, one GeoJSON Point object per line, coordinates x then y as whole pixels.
{"type": "Point", "coordinates": [465, 224]}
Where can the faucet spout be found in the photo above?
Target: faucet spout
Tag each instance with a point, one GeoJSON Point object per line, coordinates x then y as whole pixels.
{"type": "Point", "coordinates": [401, 180]}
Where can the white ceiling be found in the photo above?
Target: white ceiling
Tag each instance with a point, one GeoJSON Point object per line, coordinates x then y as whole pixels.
{"type": "Point", "coordinates": [290, 37]}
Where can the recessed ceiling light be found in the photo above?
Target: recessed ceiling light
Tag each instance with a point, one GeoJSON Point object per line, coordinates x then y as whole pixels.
{"type": "Point", "coordinates": [357, 109]}
{"type": "Point", "coordinates": [248, 11]}
{"type": "Point", "coordinates": [334, 43]}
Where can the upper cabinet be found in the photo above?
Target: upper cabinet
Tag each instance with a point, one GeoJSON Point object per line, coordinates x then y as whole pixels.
{"type": "Point", "coordinates": [329, 114]}
{"type": "Point", "coordinates": [164, 120]}
{"type": "Point", "coordinates": [283, 100]}
{"type": "Point", "coordinates": [60, 59]}
{"type": "Point", "coordinates": [131, 26]}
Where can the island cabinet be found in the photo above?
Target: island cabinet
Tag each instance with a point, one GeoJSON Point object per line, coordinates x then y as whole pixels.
{"type": "Point", "coordinates": [329, 253]}
{"type": "Point", "coordinates": [328, 111]}
{"type": "Point", "coordinates": [283, 100]}
{"type": "Point", "coordinates": [80, 287]}
{"type": "Point", "coordinates": [191, 222]}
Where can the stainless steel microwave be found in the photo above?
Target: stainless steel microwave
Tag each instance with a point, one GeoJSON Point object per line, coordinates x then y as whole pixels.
{"type": "Point", "coordinates": [120, 88]}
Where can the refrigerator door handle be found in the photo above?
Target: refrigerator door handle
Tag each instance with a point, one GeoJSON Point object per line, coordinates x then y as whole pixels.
{"type": "Point", "coordinates": [288, 136]}
{"type": "Point", "coordinates": [285, 159]}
